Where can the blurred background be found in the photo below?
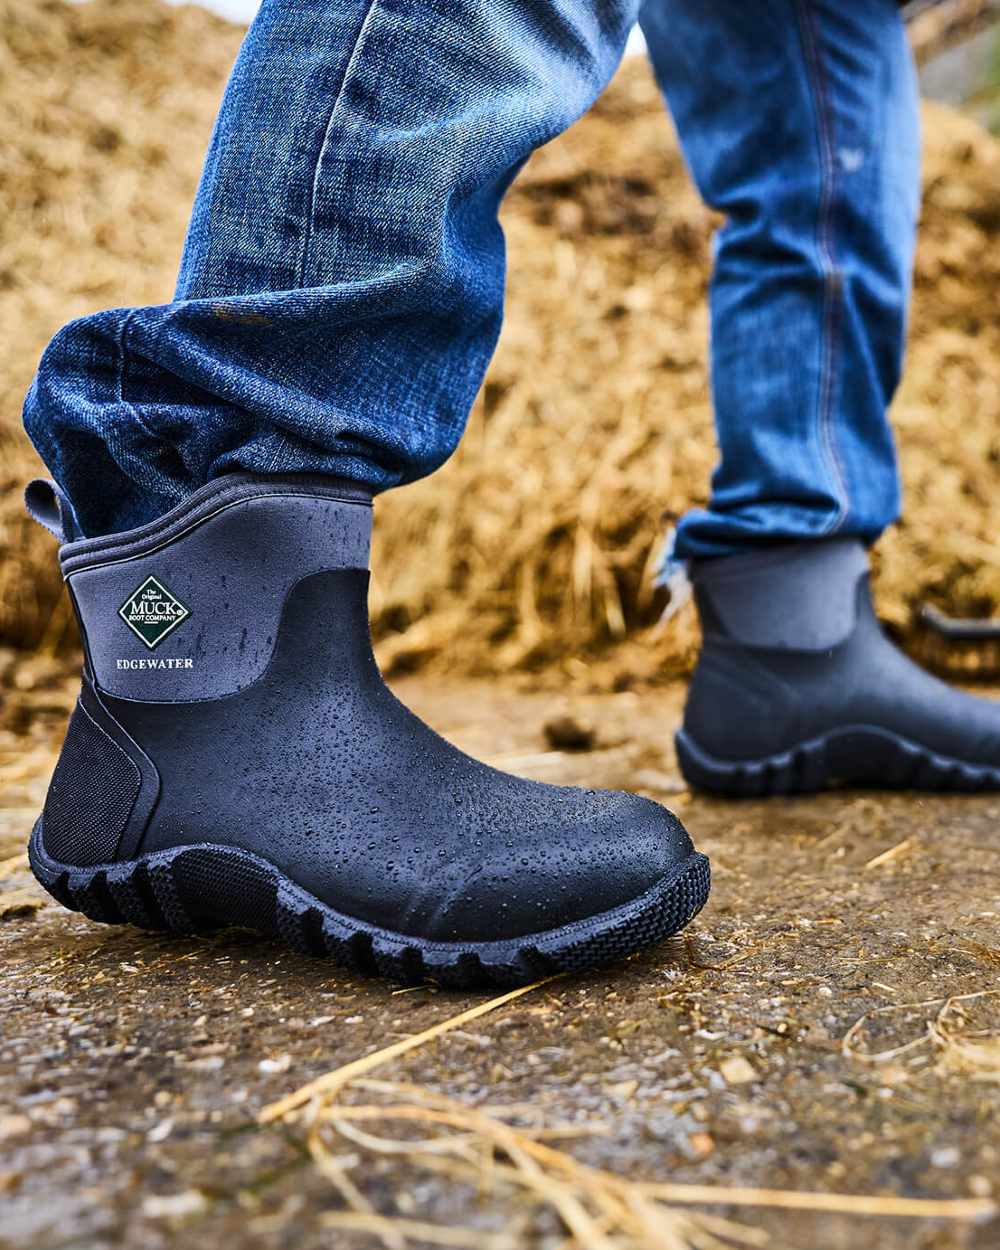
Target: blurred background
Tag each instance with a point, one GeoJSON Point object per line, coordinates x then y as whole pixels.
{"type": "Point", "coordinates": [538, 542]}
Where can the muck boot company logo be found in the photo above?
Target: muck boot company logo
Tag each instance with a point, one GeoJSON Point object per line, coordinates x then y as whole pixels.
{"type": "Point", "coordinates": [151, 612]}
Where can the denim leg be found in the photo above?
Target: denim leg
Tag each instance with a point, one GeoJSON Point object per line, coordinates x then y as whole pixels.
{"type": "Point", "coordinates": [799, 120]}
{"type": "Point", "coordinates": [341, 289]}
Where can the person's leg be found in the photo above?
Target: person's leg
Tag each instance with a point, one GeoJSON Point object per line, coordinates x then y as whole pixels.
{"type": "Point", "coordinates": [341, 288]}
{"type": "Point", "coordinates": [799, 121]}
{"type": "Point", "coordinates": [235, 756]}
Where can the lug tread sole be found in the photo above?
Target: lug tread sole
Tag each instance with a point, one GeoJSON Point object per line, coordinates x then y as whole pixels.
{"type": "Point", "coordinates": [822, 762]}
{"type": "Point", "coordinates": [199, 889]}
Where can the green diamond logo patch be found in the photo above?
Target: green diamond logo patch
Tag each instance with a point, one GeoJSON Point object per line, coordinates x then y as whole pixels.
{"type": "Point", "coordinates": [151, 612]}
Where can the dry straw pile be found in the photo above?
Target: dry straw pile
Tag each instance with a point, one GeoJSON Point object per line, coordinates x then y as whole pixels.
{"type": "Point", "coordinates": [533, 549]}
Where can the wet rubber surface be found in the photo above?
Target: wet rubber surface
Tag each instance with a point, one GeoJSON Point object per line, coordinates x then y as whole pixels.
{"type": "Point", "coordinates": [132, 1064]}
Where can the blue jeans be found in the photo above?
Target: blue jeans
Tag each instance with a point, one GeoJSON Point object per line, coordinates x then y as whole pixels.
{"type": "Point", "coordinates": [341, 289]}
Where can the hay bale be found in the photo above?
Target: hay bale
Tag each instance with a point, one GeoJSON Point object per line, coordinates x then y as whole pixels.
{"type": "Point", "coordinates": [533, 548]}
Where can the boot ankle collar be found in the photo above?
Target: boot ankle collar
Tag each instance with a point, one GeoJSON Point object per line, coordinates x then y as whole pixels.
{"type": "Point", "coordinates": [216, 496]}
{"type": "Point", "coordinates": [800, 596]}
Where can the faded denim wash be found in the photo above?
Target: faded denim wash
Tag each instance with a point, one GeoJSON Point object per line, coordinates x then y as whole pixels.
{"type": "Point", "coordinates": [341, 288]}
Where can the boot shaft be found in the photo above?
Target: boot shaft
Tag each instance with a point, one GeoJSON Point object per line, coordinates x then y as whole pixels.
{"type": "Point", "coordinates": [180, 616]}
{"type": "Point", "coordinates": [773, 623]}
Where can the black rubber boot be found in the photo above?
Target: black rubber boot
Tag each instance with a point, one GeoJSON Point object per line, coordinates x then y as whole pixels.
{"type": "Point", "coordinates": [797, 687]}
{"type": "Point", "coordinates": [235, 758]}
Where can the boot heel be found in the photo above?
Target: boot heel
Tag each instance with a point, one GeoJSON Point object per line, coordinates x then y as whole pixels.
{"type": "Point", "coordinates": [101, 793]}
{"type": "Point", "coordinates": [91, 796]}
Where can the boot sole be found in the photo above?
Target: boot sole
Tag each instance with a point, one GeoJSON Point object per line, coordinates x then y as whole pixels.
{"type": "Point", "coordinates": [201, 888]}
{"type": "Point", "coordinates": [856, 755]}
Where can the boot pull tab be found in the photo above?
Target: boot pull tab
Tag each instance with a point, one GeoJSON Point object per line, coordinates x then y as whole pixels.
{"type": "Point", "coordinates": [47, 505]}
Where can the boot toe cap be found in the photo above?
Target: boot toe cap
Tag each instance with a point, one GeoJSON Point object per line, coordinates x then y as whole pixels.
{"type": "Point", "coordinates": [546, 877]}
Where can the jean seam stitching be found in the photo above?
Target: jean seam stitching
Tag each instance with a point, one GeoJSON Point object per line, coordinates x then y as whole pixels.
{"type": "Point", "coordinates": [832, 275]}
{"type": "Point", "coordinates": [314, 188]}
{"type": "Point", "coordinates": [123, 358]}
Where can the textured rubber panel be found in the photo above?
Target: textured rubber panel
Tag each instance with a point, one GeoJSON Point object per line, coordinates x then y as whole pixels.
{"type": "Point", "coordinates": [857, 755]}
{"type": "Point", "coordinates": [91, 794]}
{"type": "Point", "coordinates": [200, 888]}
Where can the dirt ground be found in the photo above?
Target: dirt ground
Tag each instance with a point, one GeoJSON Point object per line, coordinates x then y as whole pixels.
{"type": "Point", "coordinates": [133, 1066]}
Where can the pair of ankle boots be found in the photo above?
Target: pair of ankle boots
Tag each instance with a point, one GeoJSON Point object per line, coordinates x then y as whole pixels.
{"type": "Point", "coordinates": [236, 759]}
